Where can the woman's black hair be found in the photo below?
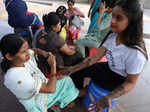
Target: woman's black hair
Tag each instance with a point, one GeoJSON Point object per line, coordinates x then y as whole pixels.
{"type": "Point", "coordinates": [11, 44]}
{"type": "Point", "coordinates": [110, 3]}
{"type": "Point", "coordinates": [133, 34]}
{"type": "Point", "coordinates": [72, 1]}
{"type": "Point", "coordinates": [60, 11]}
{"type": "Point", "coordinates": [50, 19]}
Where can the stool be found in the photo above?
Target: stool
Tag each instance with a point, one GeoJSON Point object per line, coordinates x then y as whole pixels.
{"type": "Point", "coordinates": [94, 93]}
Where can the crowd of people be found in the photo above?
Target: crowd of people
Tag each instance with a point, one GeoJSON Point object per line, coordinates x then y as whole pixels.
{"type": "Point", "coordinates": [50, 67]}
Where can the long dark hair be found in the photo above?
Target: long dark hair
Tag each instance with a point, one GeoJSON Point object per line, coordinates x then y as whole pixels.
{"type": "Point", "coordinates": [11, 44]}
{"type": "Point", "coordinates": [133, 34]}
{"type": "Point", "coordinates": [60, 11]}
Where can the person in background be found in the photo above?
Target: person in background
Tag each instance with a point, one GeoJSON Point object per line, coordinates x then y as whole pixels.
{"type": "Point", "coordinates": [93, 39]}
{"type": "Point", "coordinates": [19, 16]}
{"type": "Point", "coordinates": [49, 40]}
{"type": "Point", "coordinates": [93, 12]}
{"type": "Point", "coordinates": [125, 51]}
{"type": "Point", "coordinates": [60, 11]}
{"type": "Point", "coordinates": [73, 31]}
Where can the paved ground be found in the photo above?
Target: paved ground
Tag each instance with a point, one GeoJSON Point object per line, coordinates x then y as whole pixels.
{"type": "Point", "coordinates": [136, 101]}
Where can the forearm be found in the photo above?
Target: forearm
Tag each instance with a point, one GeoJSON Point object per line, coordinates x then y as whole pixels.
{"type": "Point", "coordinates": [121, 90]}
{"type": "Point", "coordinates": [90, 60]}
{"type": "Point", "coordinates": [66, 50]}
{"type": "Point", "coordinates": [99, 18]}
{"type": "Point", "coordinates": [51, 85]}
{"type": "Point", "coordinates": [53, 79]}
{"type": "Point", "coordinates": [40, 52]}
{"type": "Point", "coordinates": [53, 69]}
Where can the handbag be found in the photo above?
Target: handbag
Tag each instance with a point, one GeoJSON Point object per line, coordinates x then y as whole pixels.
{"type": "Point", "coordinates": [77, 21]}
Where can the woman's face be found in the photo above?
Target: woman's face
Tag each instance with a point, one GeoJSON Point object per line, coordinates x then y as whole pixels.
{"type": "Point", "coordinates": [23, 55]}
{"type": "Point", "coordinates": [57, 27]}
{"type": "Point", "coordinates": [119, 20]}
{"type": "Point", "coordinates": [70, 5]}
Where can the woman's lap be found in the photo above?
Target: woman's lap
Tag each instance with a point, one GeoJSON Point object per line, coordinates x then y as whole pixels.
{"type": "Point", "coordinates": [66, 92]}
{"type": "Point", "coordinates": [101, 74]}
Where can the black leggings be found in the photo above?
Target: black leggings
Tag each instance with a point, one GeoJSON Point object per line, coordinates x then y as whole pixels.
{"type": "Point", "coordinates": [101, 74]}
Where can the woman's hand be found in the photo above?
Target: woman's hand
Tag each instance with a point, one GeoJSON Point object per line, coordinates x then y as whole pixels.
{"type": "Point", "coordinates": [102, 8]}
{"type": "Point", "coordinates": [104, 102]}
{"type": "Point", "coordinates": [40, 52]}
{"type": "Point", "coordinates": [51, 59]}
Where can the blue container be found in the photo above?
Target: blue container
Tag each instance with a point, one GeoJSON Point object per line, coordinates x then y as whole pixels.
{"type": "Point", "coordinates": [94, 93]}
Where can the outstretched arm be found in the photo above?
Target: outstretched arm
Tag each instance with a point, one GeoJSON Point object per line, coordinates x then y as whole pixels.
{"type": "Point", "coordinates": [85, 63]}
{"type": "Point", "coordinates": [40, 52]}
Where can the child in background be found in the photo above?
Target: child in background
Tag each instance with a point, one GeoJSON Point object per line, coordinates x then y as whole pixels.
{"type": "Point", "coordinates": [60, 11]}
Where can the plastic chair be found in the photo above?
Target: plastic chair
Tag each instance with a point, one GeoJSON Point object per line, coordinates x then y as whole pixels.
{"type": "Point", "coordinates": [94, 93]}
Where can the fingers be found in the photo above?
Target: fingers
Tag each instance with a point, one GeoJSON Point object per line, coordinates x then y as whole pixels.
{"type": "Point", "coordinates": [51, 58]}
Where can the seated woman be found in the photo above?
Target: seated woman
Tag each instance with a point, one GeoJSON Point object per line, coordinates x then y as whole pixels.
{"type": "Point", "coordinates": [23, 78]}
{"type": "Point", "coordinates": [73, 31]}
{"type": "Point", "coordinates": [51, 41]}
{"type": "Point", "coordinates": [125, 51]}
{"type": "Point", "coordinates": [93, 39]}
{"type": "Point", "coordinates": [60, 11]}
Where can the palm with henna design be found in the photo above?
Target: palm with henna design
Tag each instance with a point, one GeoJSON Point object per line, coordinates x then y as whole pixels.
{"type": "Point", "coordinates": [102, 103]}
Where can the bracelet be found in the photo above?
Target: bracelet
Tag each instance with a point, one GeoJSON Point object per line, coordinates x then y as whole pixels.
{"type": "Point", "coordinates": [53, 76]}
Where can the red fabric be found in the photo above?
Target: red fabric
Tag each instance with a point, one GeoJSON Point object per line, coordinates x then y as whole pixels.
{"type": "Point", "coordinates": [40, 26]}
{"type": "Point", "coordinates": [69, 34]}
{"type": "Point", "coordinates": [48, 75]}
{"type": "Point", "coordinates": [93, 51]}
{"type": "Point", "coordinates": [29, 13]}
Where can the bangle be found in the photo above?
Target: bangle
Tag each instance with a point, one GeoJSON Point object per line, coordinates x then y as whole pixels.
{"type": "Point", "coordinates": [54, 75]}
